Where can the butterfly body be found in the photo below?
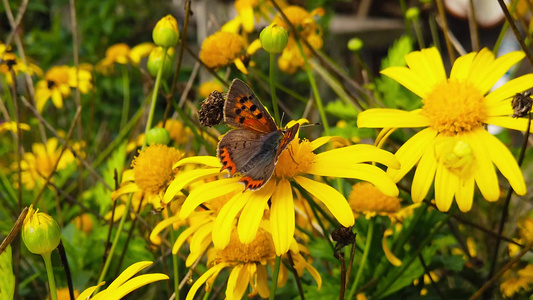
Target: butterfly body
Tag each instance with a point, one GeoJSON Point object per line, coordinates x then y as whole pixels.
{"type": "Point", "coordinates": [253, 148]}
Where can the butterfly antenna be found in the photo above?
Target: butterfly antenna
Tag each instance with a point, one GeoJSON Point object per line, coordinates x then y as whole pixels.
{"type": "Point", "coordinates": [309, 125]}
{"type": "Point", "coordinates": [290, 154]}
{"type": "Point", "coordinates": [282, 117]}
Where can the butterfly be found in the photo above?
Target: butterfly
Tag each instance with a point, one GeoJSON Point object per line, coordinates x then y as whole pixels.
{"type": "Point", "coordinates": [253, 148]}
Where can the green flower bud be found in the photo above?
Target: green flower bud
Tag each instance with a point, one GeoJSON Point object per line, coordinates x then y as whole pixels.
{"type": "Point", "coordinates": [274, 38]}
{"type": "Point", "coordinates": [412, 13]}
{"type": "Point", "coordinates": [166, 33]}
{"type": "Point", "coordinates": [157, 135]}
{"type": "Point", "coordinates": [355, 45]}
{"type": "Point", "coordinates": [40, 232]}
{"type": "Point", "coordinates": [156, 59]}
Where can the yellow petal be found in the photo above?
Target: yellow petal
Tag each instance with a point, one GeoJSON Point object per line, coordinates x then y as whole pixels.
{"type": "Point", "coordinates": [185, 178]}
{"type": "Point", "coordinates": [465, 193]}
{"type": "Point", "coordinates": [446, 183]}
{"type": "Point", "coordinates": [484, 172]}
{"type": "Point", "coordinates": [427, 65]}
{"type": "Point", "coordinates": [154, 235]}
{"type": "Point", "coordinates": [128, 273]}
{"type": "Point", "coordinates": [240, 66]}
{"type": "Point", "coordinates": [225, 219]}
{"type": "Point", "coordinates": [128, 175]}
{"type": "Point", "coordinates": [501, 108]}
{"type": "Point", "coordinates": [236, 283]}
{"type": "Point", "coordinates": [334, 201]}
{"type": "Point", "coordinates": [388, 254]}
{"type": "Point", "coordinates": [510, 88]}
{"type": "Point", "coordinates": [253, 212]}
{"type": "Point", "coordinates": [282, 217]}
{"type": "Point", "coordinates": [262, 282]}
{"type": "Point", "coordinates": [125, 189]}
{"type": "Point", "coordinates": [200, 281]}
{"type": "Point", "coordinates": [209, 161]}
{"type": "Point", "coordinates": [488, 74]}
{"type": "Point", "coordinates": [201, 234]}
{"type": "Point", "coordinates": [208, 192]}
{"type": "Point", "coordinates": [386, 117]}
{"type": "Point", "coordinates": [424, 174]}
{"type": "Point", "coordinates": [136, 283]}
{"type": "Point", "coordinates": [364, 172]}
{"type": "Point", "coordinates": [519, 124]}
{"type": "Point", "coordinates": [88, 292]}
{"type": "Point", "coordinates": [323, 140]}
{"type": "Point", "coordinates": [462, 66]}
{"type": "Point", "coordinates": [504, 161]}
{"type": "Point", "coordinates": [186, 234]}
{"type": "Point", "coordinates": [408, 79]}
{"type": "Point", "coordinates": [411, 151]}
{"type": "Point", "coordinates": [57, 99]}
{"type": "Point", "coordinates": [357, 154]}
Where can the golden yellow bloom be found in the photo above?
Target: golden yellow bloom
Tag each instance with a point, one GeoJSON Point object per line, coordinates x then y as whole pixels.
{"type": "Point", "coordinates": [123, 284]}
{"type": "Point", "coordinates": [222, 49]}
{"type": "Point", "coordinates": [151, 173]}
{"type": "Point", "coordinates": [12, 126]}
{"type": "Point", "coordinates": [513, 284]}
{"type": "Point", "coordinates": [292, 165]}
{"type": "Point", "coordinates": [291, 59]}
{"type": "Point", "coordinates": [38, 164]}
{"type": "Point", "coordinates": [365, 198]}
{"type": "Point", "coordinates": [63, 294]}
{"type": "Point", "coordinates": [123, 54]}
{"type": "Point", "coordinates": [455, 150]}
{"type": "Point", "coordinates": [248, 266]}
{"type": "Point", "coordinates": [84, 223]}
{"type": "Point", "coordinates": [209, 86]}
{"type": "Point", "coordinates": [10, 61]}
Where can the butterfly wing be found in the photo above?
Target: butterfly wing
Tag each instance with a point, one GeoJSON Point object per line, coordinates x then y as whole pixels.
{"type": "Point", "coordinates": [288, 136]}
{"type": "Point", "coordinates": [250, 153]}
{"type": "Point", "coordinates": [243, 109]}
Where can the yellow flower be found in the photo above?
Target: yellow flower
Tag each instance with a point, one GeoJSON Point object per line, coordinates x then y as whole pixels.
{"type": "Point", "coordinates": [123, 54]}
{"type": "Point", "coordinates": [123, 284]}
{"type": "Point", "coordinates": [209, 86]}
{"type": "Point", "coordinates": [291, 59]}
{"type": "Point", "coordinates": [81, 78]}
{"type": "Point", "coordinates": [10, 61]}
{"type": "Point", "coordinates": [299, 159]}
{"type": "Point", "coordinates": [248, 266]}
{"type": "Point", "coordinates": [56, 85]}
{"type": "Point", "coordinates": [515, 283]}
{"type": "Point", "coordinates": [84, 223]}
{"type": "Point", "coordinates": [222, 49]}
{"type": "Point", "coordinates": [38, 164]}
{"type": "Point", "coordinates": [12, 126]}
{"type": "Point", "coordinates": [455, 150]}
{"type": "Point", "coordinates": [151, 173]}
{"type": "Point", "coordinates": [365, 198]}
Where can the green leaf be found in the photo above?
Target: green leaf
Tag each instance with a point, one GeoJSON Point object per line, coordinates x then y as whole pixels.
{"type": "Point", "coordinates": [7, 285]}
{"type": "Point", "coordinates": [341, 110]}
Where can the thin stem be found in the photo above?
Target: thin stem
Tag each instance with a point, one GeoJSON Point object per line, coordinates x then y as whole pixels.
{"type": "Point", "coordinates": [445, 30]}
{"type": "Point", "coordinates": [154, 95]}
{"type": "Point", "coordinates": [47, 257]}
{"type": "Point", "coordinates": [296, 277]}
{"type": "Point", "coordinates": [64, 262]}
{"type": "Point", "coordinates": [318, 99]}
{"type": "Point", "coordinates": [126, 91]}
{"type": "Point", "coordinates": [115, 242]}
{"type": "Point", "coordinates": [516, 31]}
{"type": "Point", "coordinates": [274, 283]}
{"type": "Point", "coordinates": [272, 78]}
{"type": "Point", "coordinates": [362, 264]}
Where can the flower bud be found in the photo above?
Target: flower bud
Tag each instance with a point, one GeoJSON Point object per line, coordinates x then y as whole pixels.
{"type": "Point", "coordinates": [412, 13]}
{"type": "Point", "coordinates": [355, 45]}
{"type": "Point", "coordinates": [155, 61]}
{"type": "Point", "coordinates": [40, 232]}
{"type": "Point", "coordinates": [274, 38]}
{"type": "Point", "coordinates": [157, 135]}
{"type": "Point", "coordinates": [165, 33]}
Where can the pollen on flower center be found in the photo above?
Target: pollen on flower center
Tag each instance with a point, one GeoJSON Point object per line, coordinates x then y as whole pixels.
{"type": "Point", "coordinates": [295, 159]}
{"type": "Point", "coordinates": [152, 168]}
{"type": "Point", "coordinates": [453, 107]}
{"type": "Point", "coordinates": [369, 200]}
{"type": "Point", "coordinates": [259, 250]}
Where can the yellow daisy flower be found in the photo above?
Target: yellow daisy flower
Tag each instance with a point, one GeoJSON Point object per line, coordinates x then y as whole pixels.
{"type": "Point", "coordinates": [517, 282]}
{"type": "Point", "coordinates": [12, 126]}
{"type": "Point", "coordinates": [455, 150]}
{"type": "Point", "coordinates": [291, 59]}
{"type": "Point", "coordinates": [223, 48]}
{"type": "Point", "coordinates": [122, 54]}
{"type": "Point", "coordinates": [151, 173]}
{"type": "Point", "coordinates": [38, 164]}
{"type": "Point", "coordinates": [292, 165]}
{"type": "Point", "coordinates": [10, 61]}
{"type": "Point", "coordinates": [124, 283]}
{"type": "Point", "coordinates": [248, 266]}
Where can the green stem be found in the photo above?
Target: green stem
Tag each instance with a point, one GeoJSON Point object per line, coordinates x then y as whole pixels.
{"type": "Point", "coordinates": [275, 274]}
{"type": "Point", "coordinates": [115, 242]}
{"type": "Point", "coordinates": [175, 263]}
{"type": "Point", "coordinates": [273, 86]}
{"type": "Point", "coordinates": [315, 90]}
{"type": "Point", "coordinates": [154, 95]}
{"type": "Point", "coordinates": [126, 90]}
{"type": "Point", "coordinates": [47, 257]}
{"type": "Point", "coordinates": [369, 235]}
{"type": "Point", "coordinates": [505, 27]}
